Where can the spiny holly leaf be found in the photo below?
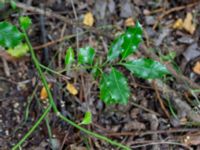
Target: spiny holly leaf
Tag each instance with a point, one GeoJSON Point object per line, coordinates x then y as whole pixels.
{"type": "Point", "coordinates": [87, 118]}
{"type": "Point", "coordinates": [127, 43]}
{"type": "Point", "coordinates": [25, 22]}
{"type": "Point", "coordinates": [114, 88]}
{"type": "Point", "coordinates": [10, 36]}
{"type": "Point", "coordinates": [132, 38]}
{"type": "Point", "coordinates": [18, 51]}
{"type": "Point", "coordinates": [69, 57]}
{"type": "Point", "coordinates": [86, 55]}
{"type": "Point", "coordinates": [146, 68]}
{"type": "Point", "coordinates": [116, 48]}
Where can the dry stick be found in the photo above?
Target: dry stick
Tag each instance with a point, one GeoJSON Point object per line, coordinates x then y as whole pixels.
{"type": "Point", "coordinates": [161, 101]}
{"type": "Point", "coordinates": [151, 143]}
{"type": "Point", "coordinates": [171, 11]}
{"type": "Point", "coordinates": [140, 133]}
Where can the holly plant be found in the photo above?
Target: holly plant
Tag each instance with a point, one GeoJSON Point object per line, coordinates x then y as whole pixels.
{"type": "Point", "coordinates": [113, 85]}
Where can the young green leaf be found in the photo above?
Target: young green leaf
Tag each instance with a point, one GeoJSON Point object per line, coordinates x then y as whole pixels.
{"type": "Point", "coordinates": [116, 48]}
{"type": "Point", "coordinates": [87, 118]}
{"type": "Point", "coordinates": [86, 55]}
{"type": "Point", "coordinates": [114, 88]}
{"type": "Point", "coordinates": [69, 57]}
{"type": "Point", "coordinates": [13, 4]}
{"type": "Point", "coordinates": [18, 51]}
{"type": "Point", "coordinates": [146, 68]}
{"type": "Point", "coordinates": [25, 22]}
{"type": "Point", "coordinates": [127, 43]}
{"type": "Point", "coordinates": [10, 36]}
{"type": "Point", "coordinates": [132, 39]}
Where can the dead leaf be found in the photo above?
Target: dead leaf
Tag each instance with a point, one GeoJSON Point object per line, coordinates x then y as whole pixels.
{"type": "Point", "coordinates": [129, 22]}
{"type": "Point", "coordinates": [88, 19]}
{"type": "Point", "coordinates": [185, 24]}
{"type": "Point", "coordinates": [178, 24]}
{"type": "Point", "coordinates": [196, 68]}
{"type": "Point", "coordinates": [188, 24]}
{"type": "Point", "coordinates": [71, 88]}
{"type": "Point", "coordinates": [43, 92]}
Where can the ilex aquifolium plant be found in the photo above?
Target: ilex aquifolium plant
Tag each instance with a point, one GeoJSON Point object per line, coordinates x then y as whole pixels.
{"type": "Point", "coordinates": [113, 85]}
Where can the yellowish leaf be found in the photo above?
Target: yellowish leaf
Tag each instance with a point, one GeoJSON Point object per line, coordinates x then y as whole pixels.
{"type": "Point", "coordinates": [129, 22]}
{"type": "Point", "coordinates": [178, 24]}
{"type": "Point", "coordinates": [88, 19]}
{"type": "Point", "coordinates": [71, 88]}
{"type": "Point", "coordinates": [196, 68]}
{"type": "Point", "coordinates": [43, 92]}
{"type": "Point", "coordinates": [188, 24]}
{"type": "Point", "coordinates": [185, 24]}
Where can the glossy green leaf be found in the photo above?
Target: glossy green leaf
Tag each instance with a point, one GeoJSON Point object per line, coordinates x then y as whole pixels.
{"type": "Point", "coordinates": [146, 68]}
{"type": "Point", "coordinates": [25, 22]}
{"type": "Point", "coordinates": [18, 51]}
{"type": "Point", "coordinates": [69, 57]}
{"type": "Point", "coordinates": [10, 36]}
{"type": "Point", "coordinates": [114, 88]}
{"type": "Point", "coordinates": [127, 43]}
{"type": "Point", "coordinates": [86, 55]}
{"type": "Point", "coordinates": [87, 118]}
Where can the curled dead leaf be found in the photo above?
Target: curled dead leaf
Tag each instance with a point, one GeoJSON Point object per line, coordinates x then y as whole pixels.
{"type": "Point", "coordinates": [186, 24]}
{"type": "Point", "coordinates": [43, 92]}
{"type": "Point", "coordinates": [71, 88]}
{"type": "Point", "coordinates": [129, 22]}
{"type": "Point", "coordinates": [178, 24]}
{"type": "Point", "coordinates": [88, 19]}
{"type": "Point", "coordinates": [196, 68]}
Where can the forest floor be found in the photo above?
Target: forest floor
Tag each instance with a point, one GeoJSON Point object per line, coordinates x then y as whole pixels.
{"type": "Point", "coordinates": [161, 114]}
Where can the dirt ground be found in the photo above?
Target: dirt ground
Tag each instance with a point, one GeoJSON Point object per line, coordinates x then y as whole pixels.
{"type": "Point", "coordinates": [161, 114]}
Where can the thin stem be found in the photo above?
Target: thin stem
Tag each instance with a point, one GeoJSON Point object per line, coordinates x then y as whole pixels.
{"type": "Point", "coordinates": [32, 128]}
{"type": "Point", "coordinates": [37, 65]}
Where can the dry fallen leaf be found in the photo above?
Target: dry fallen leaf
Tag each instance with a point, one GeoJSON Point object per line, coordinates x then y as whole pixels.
{"type": "Point", "coordinates": [129, 22]}
{"type": "Point", "coordinates": [43, 92]}
{"type": "Point", "coordinates": [71, 88]}
{"type": "Point", "coordinates": [187, 24]}
{"type": "Point", "coordinates": [88, 19]}
{"type": "Point", "coordinates": [196, 68]}
{"type": "Point", "coordinates": [178, 24]}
